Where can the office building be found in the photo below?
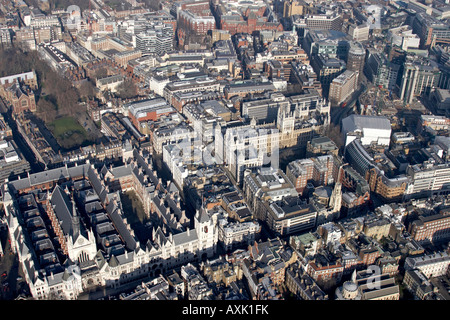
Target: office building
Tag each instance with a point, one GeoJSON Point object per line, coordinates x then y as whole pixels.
{"type": "Point", "coordinates": [419, 77]}
{"type": "Point", "coordinates": [289, 216]}
{"type": "Point", "coordinates": [356, 57]}
{"type": "Point", "coordinates": [343, 86]}
{"type": "Point", "coordinates": [380, 71]}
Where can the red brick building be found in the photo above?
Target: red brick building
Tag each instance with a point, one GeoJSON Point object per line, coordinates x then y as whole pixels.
{"type": "Point", "coordinates": [433, 228]}
{"type": "Point", "coordinates": [323, 274]}
{"type": "Point", "coordinates": [251, 20]}
{"type": "Point", "coordinates": [20, 97]}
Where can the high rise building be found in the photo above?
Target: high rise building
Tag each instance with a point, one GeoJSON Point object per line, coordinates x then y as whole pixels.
{"type": "Point", "coordinates": [380, 71]}
{"type": "Point", "coordinates": [430, 29]}
{"type": "Point", "coordinates": [343, 86]}
{"type": "Point", "coordinates": [355, 58]}
{"type": "Point", "coordinates": [155, 40]}
{"type": "Point", "coordinates": [359, 32]}
{"type": "Point", "coordinates": [327, 69]}
{"type": "Point", "coordinates": [419, 77]}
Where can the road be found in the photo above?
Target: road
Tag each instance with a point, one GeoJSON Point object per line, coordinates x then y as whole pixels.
{"type": "Point", "coordinates": [338, 113]}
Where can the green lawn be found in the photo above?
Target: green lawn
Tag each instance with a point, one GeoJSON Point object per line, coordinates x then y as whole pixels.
{"type": "Point", "coordinates": [63, 125]}
{"type": "Point", "coordinates": [68, 132]}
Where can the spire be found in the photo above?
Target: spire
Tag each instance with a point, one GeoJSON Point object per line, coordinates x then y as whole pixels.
{"type": "Point", "coordinates": [354, 276]}
{"type": "Point", "coordinates": [75, 220]}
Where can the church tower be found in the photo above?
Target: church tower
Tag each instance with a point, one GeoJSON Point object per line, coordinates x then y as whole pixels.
{"type": "Point", "coordinates": [207, 232]}
{"type": "Point", "coordinates": [336, 195]}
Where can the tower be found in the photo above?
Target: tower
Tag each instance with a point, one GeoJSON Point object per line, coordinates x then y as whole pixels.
{"type": "Point", "coordinates": [355, 58]}
{"type": "Point", "coordinates": [207, 232]}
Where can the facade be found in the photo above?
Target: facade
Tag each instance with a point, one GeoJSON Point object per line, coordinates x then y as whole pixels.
{"type": "Point", "coordinates": [155, 41]}
{"type": "Point", "coordinates": [12, 162]}
{"type": "Point", "coordinates": [320, 171]}
{"type": "Point", "coordinates": [356, 58]}
{"type": "Point", "coordinates": [327, 69]}
{"type": "Point", "coordinates": [248, 147]}
{"type": "Point", "coordinates": [432, 228]}
{"type": "Point", "coordinates": [196, 23]}
{"type": "Point", "coordinates": [343, 86]}
{"type": "Point", "coordinates": [232, 235]}
{"type": "Point", "coordinates": [359, 32]}
{"type": "Point", "coordinates": [428, 28]}
{"type": "Point", "coordinates": [433, 265]}
{"type": "Point", "coordinates": [427, 179]}
{"type": "Point", "coordinates": [419, 77]}
{"type": "Point", "coordinates": [403, 37]}
{"type": "Point", "coordinates": [189, 85]}
{"type": "Point", "coordinates": [380, 71]}
{"type": "Point", "coordinates": [327, 21]}
{"type": "Point", "coordinates": [264, 110]}
{"type": "Point", "coordinates": [304, 286]}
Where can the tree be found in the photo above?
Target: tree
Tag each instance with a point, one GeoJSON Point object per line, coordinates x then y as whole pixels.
{"type": "Point", "coordinates": [126, 89]}
{"type": "Point", "coordinates": [46, 110]}
{"type": "Point", "coordinates": [87, 90]}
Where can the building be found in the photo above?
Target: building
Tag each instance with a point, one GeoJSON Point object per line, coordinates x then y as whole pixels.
{"type": "Point", "coordinates": [388, 188]}
{"type": "Point", "coordinates": [328, 21]}
{"type": "Point", "coordinates": [110, 83]}
{"type": "Point", "coordinates": [12, 162]}
{"type": "Point", "coordinates": [365, 285]}
{"type": "Point", "coordinates": [196, 23]}
{"type": "Point", "coordinates": [403, 38]}
{"type": "Point", "coordinates": [247, 147]}
{"type": "Point", "coordinates": [441, 100]}
{"type": "Point", "coordinates": [293, 7]}
{"type": "Point", "coordinates": [380, 71]}
{"type": "Point", "coordinates": [417, 284]}
{"type": "Point", "coordinates": [190, 85]}
{"type": "Point", "coordinates": [420, 76]}
{"type": "Point", "coordinates": [343, 86]}
{"type": "Point", "coordinates": [325, 273]}
{"type": "Point", "coordinates": [319, 171]}
{"type": "Point", "coordinates": [321, 146]}
{"type": "Point", "coordinates": [236, 234]}
{"type": "Point", "coordinates": [359, 32]}
{"type": "Point", "coordinates": [327, 68]}
{"type": "Point", "coordinates": [266, 185]}
{"type": "Point", "coordinates": [303, 286]}
{"type": "Point", "coordinates": [427, 179]}
{"type": "Point", "coordinates": [432, 265]}
{"type": "Point", "coordinates": [369, 129]}
{"type": "Point", "coordinates": [330, 43]}
{"type": "Point", "coordinates": [109, 254]}
{"type": "Point", "coordinates": [356, 57]}
{"type": "Point", "coordinates": [289, 216]}
{"type": "Point", "coordinates": [157, 40]}
{"type": "Point", "coordinates": [145, 110]}
{"type": "Point", "coordinates": [247, 87]}
{"type": "Point", "coordinates": [432, 228]}
{"type": "Point", "coordinates": [430, 29]}
{"type": "Point", "coordinates": [264, 110]}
